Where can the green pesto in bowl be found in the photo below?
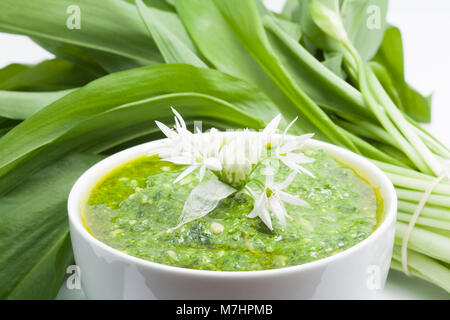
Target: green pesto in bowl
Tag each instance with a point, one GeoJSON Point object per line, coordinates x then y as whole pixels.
{"type": "Point", "coordinates": [133, 206]}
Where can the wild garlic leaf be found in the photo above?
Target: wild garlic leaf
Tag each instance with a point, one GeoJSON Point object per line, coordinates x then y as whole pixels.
{"type": "Point", "coordinates": [390, 71]}
{"type": "Point", "coordinates": [116, 29]}
{"type": "Point", "coordinates": [34, 233]}
{"type": "Point", "coordinates": [326, 15]}
{"type": "Point", "coordinates": [98, 62]}
{"type": "Point", "coordinates": [50, 75]}
{"type": "Point", "coordinates": [291, 28]}
{"type": "Point", "coordinates": [321, 84]}
{"type": "Point", "coordinates": [333, 62]}
{"type": "Point", "coordinates": [213, 37]}
{"type": "Point", "coordinates": [365, 23]}
{"type": "Point", "coordinates": [314, 37]}
{"type": "Point", "coordinates": [10, 71]}
{"type": "Point", "coordinates": [21, 105]}
{"type": "Point", "coordinates": [203, 199]}
{"type": "Point", "coordinates": [254, 38]}
{"type": "Point", "coordinates": [171, 46]}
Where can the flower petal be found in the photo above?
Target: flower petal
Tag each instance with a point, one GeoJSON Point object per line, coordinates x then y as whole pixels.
{"type": "Point", "coordinates": [291, 199]}
{"type": "Point", "coordinates": [179, 160]}
{"type": "Point", "coordinates": [272, 126]}
{"type": "Point", "coordinates": [289, 126]}
{"type": "Point", "coordinates": [293, 166]}
{"type": "Point", "coordinates": [278, 209]}
{"type": "Point", "coordinates": [268, 171]}
{"type": "Point", "coordinates": [202, 200]}
{"type": "Point", "coordinates": [213, 164]}
{"type": "Point", "coordinates": [258, 205]}
{"type": "Point", "coordinates": [299, 158]}
{"type": "Point", "coordinates": [169, 133]}
{"type": "Point", "coordinates": [179, 120]}
{"type": "Point", "coordinates": [202, 172]}
{"type": "Point", "coordinates": [185, 173]}
{"type": "Point", "coordinates": [260, 210]}
{"type": "Point", "coordinates": [286, 182]}
{"type": "Point", "coordinates": [265, 217]}
{"type": "Point", "coordinates": [304, 137]}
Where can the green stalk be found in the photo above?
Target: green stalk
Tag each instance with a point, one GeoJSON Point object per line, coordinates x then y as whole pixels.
{"type": "Point", "coordinates": [417, 184]}
{"type": "Point", "coordinates": [406, 128]}
{"type": "Point", "coordinates": [368, 131]}
{"type": "Point", "coordinates": [407, 172]}
{"type": "Point", "coordinates": [415, 196]}
{"type": "Point", "coordinates": [427, 211]}
{"type": "Point", "coordinates": [434, 144]}
{"type": "Point", "coordinates": [423, 221]}
{"type": "Point", "coordinates": [423, 267]}
{"type": "Point", "coordinates": [380, 113]}
{"type": "Point", "coordinates": [426, 242]}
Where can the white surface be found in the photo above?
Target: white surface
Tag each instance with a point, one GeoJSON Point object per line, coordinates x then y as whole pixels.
{"type": "Point", "coordinates": [356, 273]}
{"type": "Point", "coordinates": [425, 26]}
{"type": "Point", "coordinates": [20, 49]}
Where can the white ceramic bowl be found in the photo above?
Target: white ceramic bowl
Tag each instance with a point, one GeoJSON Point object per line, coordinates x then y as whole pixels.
{"type": "Point", "coordinates": [356, 273]}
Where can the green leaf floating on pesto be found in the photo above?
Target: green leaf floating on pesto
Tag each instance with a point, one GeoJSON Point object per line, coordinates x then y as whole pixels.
{"type": "Point", "coordinates": [133, 206]}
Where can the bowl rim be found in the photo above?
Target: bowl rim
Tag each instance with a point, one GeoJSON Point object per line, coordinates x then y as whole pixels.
{"type": "Point", "coordinates": [92, 176]}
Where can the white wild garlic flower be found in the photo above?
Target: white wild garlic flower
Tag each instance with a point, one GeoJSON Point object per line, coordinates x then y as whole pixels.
{"type": "Point", "coordinates": [232, 156]}
{"type": "Point", "coordinates": [272, 198]}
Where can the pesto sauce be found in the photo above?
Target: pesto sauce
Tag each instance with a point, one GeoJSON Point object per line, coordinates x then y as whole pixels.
{"type": "Point", "coordinates": [132, 208]}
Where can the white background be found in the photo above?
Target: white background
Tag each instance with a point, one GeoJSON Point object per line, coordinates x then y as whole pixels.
{"type": "Point", "coordinates": [425, 27]}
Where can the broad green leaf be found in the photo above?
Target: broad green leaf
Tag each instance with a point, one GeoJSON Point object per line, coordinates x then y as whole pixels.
{"type": "Point", "coordinates": [95, 61]}
{"type": "Point", "coordinates": [171, 47]}
{"type": "Point", "coordinates": [390, 56]}
{"type": "Point", "coordinates": [239, 103]}
{"type": "Point", "coordinates": [254, 39]}
{"type": "Point", "coordinates": [333, 62]}
{"type": "Point", "coordinates": [34, 238]}
{"type": "Point", "coordinates": [22, 105]}
{"type": "Point", "coordinates": [6, 125]}
{"type": "Point", "coordinates": [157, 4]}
{"type": "Point", "coordinates": [73, 53]}
{"type": "Point", "coordinates": [386, 80]}
{"type": "Point", "coordinates": [111, 62]}
{"type": "Point", "coordinates": [11, 70]}
{"type": "Point", "coordinates": [290, 9]}
{"type": "Point", "coordinates": [50, 75]}
{"type": "Point", "coordinates": [212, 35]}
{"type": "Point", "coordinates": [114, 28]}
{"type": "Point", "coordinates": [320, 83]}
{"type": "Point", "coordinates": [5, 122]}
{"type": "Point", "coordinates": [365, 23]}
{"type": "Point", "coordinates": [362, 21]}
{"type": "Point", "coordinates": [173, 23]}
{"type": "Point", "coordinates": [292, 29]}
